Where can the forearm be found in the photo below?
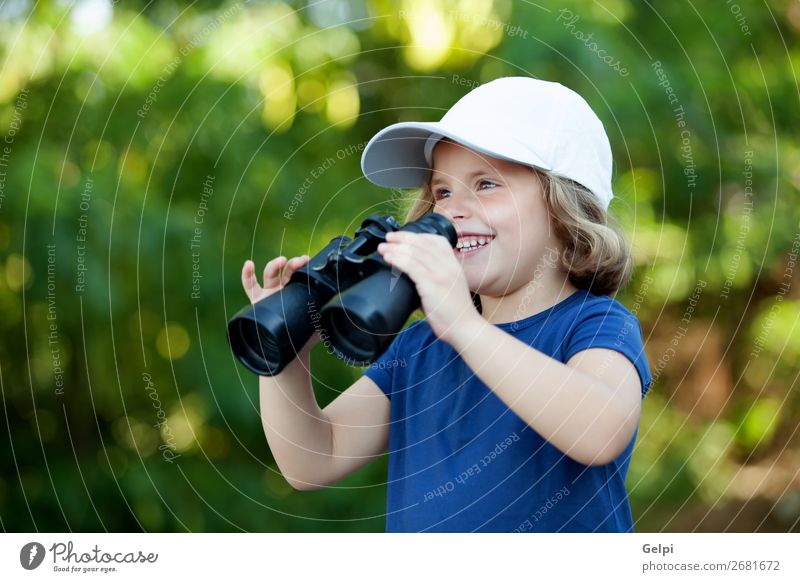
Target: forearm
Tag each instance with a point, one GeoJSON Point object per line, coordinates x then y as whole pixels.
{"type": "Point", "coordinates": [297, 430]}
{"type": "Point", "coordinates": [574, 411]}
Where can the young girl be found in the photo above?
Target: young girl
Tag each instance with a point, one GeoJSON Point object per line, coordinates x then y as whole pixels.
{"type": "Point", "coordinates": [520, 415]}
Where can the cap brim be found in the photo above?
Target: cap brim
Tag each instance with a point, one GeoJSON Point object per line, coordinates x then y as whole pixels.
{"type": "Point", "coordinates": [395, 156]}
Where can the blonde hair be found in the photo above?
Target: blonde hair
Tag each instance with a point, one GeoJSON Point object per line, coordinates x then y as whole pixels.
{"type": "Point", "coordinates": [595, 253]}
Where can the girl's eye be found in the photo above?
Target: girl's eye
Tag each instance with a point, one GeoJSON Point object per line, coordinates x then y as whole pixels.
{"type": "Point", "coordinates": [442, 192]}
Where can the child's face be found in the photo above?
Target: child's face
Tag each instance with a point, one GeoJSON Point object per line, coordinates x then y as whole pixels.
{"type": "Point", "coordinates": [489, 196]}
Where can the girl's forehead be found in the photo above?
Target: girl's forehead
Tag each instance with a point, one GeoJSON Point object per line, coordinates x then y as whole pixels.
{"type": "Point", "coordinates": [447, 151]}
{"type": "Point", "coordinates": [449, 147]}
{"type": "Point", "coordinates": [464, 160]}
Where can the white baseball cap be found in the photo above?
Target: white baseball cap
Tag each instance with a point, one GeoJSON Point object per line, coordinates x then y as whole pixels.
{"type": "Point", "coordinates": [519, 119]}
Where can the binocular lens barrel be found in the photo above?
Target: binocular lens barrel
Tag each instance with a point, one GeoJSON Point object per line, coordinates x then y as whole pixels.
{"type": "Point", "coordinates": [267, 335]}
{"type": "Point", "coordinates": [365, 319]}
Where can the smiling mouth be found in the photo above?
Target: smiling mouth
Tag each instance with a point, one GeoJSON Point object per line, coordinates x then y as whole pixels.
{"type": "Point", "coordinates": [472, 245]}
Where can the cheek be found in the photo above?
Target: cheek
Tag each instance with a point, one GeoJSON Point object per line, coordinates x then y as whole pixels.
{"type": "Point", "coordinates": [521, 243]}
{"type": "Point", "coordinates": [513, 231]}
{"type": "Point", "coordinates": [522, 227]}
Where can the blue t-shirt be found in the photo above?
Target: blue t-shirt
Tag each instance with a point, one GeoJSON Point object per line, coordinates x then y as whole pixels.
{"type": "Point", "coordinates": [460, 460]}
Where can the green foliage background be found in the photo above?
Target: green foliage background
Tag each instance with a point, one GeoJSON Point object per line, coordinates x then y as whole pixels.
{"type": "Point", "coordinates": [131, 109]}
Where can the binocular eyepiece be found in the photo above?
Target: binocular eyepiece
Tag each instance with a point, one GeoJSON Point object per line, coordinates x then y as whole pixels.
{"type": "Point", "coordinates": [346, 290]}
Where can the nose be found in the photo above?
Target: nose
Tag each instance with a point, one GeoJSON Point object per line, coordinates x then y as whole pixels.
{"type": "Point", "coordinates": [458, 206]}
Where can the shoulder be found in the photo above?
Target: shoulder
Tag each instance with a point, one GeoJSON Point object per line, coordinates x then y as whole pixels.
{"type": "Point", "coordinates": [591, 306]}
{"type": "Point", "coordinates": [604, 322]}
{"type": "Point", "coordinates": [601, 319]}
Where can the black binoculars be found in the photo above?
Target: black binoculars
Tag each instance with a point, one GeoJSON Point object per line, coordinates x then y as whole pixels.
{"type": "Point", "coordinates": [347, 290]}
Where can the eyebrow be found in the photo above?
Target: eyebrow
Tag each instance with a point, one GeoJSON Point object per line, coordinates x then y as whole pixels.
{"type": "Point", "coordinates": [435, 180]}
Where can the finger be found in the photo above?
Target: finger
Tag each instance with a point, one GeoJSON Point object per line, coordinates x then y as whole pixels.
{"type": "Point", "coordinates": [249, 281]}
{"type": "Point", "coordinates": [294, 264]}
{"type": "Point", "coordinates": [398, 246]}
{"type": "Point", "coordinates": [423, 278]}
{"type": "Point", "coordinates": [416, 238]}
{"type": "Point", "coordinates": [401, 236]}
{"type": "Point", "coordinates": [272, 272]}
{"type": "Point", "coordinates": [429, 240]}
{"type": "Point", "coordinates": [423, 241]}
{"type": "Point", "coordinates": [433, 257]}
{"type": "Point", "coordinates": [408, 264]}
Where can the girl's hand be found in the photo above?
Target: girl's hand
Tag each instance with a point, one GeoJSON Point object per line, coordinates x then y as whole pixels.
{"type": "Point", "coordinates": [429, 260]}
{"type": "Point", "coordinates": [274, 281]}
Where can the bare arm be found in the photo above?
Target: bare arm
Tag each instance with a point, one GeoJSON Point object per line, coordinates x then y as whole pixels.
{"type": "Point", "coordinates": [313, 447]}
{"type": "Point", "coordinates": [588, 408]}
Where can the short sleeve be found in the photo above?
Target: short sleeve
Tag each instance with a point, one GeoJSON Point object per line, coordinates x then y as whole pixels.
{"type": "Point", "coordinates": [613, 327]}
{"type": "Point", "coordinates": [381, 371]}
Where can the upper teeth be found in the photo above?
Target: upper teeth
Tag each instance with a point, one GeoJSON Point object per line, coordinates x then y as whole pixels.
{"type": "Point", "coordinates": [472, 241]}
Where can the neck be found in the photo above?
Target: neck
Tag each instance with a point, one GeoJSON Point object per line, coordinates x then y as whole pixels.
{"type": "Point", "coordinates": [530, 299]}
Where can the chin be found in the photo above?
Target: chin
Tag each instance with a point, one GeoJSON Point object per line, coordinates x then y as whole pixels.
{"type": "Point", "coordinates": [480, 285]}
